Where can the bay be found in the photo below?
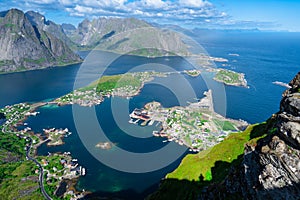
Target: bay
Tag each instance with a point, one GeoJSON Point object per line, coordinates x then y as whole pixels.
{"type": "Point", "coordinates": [263, 57]}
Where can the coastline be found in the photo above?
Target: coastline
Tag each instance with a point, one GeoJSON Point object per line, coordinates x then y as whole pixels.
{"type": "Point", "coordinates": [22, 111]}
{"type": "Point", "coordinates": [196, 126]}
{"type": "Point", "coordinates": [43, 67]}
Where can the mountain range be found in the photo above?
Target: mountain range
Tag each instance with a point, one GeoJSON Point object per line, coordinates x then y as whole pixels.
{"type": "Point", "coordinates": [29, 41]}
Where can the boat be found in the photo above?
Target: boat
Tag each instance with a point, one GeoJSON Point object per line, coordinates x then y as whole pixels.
{"type": "Point", "coordinates": [82, 171]}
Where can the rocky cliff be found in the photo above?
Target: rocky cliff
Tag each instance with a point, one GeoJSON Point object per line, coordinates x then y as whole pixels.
{"type": "Point", "coordinates": [270, 169]}
{"type": "Point", "coordinates": [90, 33]}
{"type": "Point", "coordinates": [24, 45]}
{"type": "Point", "coordinates": [48, 26]}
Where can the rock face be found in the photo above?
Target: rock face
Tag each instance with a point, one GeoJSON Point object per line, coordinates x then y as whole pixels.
{"type": "Point", "coordinates": [126, 36]}
{"type": "Point", "coordinates": [90, 33]}
{"type": "Point", "coordinates": [48, 26]}
{"type": "Point", "coordinates": [270, 170]}
{"type": "Point", "coordinates": [24, 45]}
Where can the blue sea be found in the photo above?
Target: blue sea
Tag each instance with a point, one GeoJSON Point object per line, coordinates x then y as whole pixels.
{"type": "Point", "coordinates": [263, 57]}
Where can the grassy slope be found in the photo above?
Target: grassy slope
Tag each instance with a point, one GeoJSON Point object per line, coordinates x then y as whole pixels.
{"type": "Point", "coordinates": [22, 184]}
{"type": "Point", "coordinates": [14, 170]}
{"type": "Point", "coordinates": [107, 83]}
{"type": "Point", "coordinates": [228, 150]}
{"type": "Point", "coordinates": [207, 167]}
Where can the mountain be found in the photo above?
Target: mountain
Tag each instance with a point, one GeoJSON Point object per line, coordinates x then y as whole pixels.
{"type": "Point", "coordinates": [263, 162]}
{"type": "Point", "coordinates": [89, 33]}
{"type": "Point", "coordinates": [150, 42]}
{"type": "Point", "coordinates": [24, 45]}
{"type": "Point", "coordinates": [126, 36]}
{"type": "Point", "coordinates": [48, 26]}
{"type": "Point", "coordinates": [68, 28]}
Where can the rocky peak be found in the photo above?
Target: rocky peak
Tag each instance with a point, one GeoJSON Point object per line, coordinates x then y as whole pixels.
{"type": "Point", "coordinates": [36, 18]}
{"type": "Point", "coordinates": [40, 21]}
{"type": "Point", "coordinates": [24, 45]}
{"type": "Point", "coordinates": [90, 33]}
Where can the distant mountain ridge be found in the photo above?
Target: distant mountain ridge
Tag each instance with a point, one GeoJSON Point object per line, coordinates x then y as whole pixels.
{"type": "Point", "coordinates": [126, 36]}
{"type": "Point", "coordinates": [26, 44]}
{"type": "Point", "coordinates": [89, 33]}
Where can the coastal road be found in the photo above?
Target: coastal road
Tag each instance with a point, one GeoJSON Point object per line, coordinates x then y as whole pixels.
{"type": "Point", "coordinates": [41, 175]}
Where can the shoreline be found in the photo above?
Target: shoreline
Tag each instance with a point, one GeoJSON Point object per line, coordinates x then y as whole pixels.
{"type": "Point", "coordinates": [31, 151]}
{"type": "Point", "coordinates": [43, 68]}
{"type": "Point", "coordinates": [178, 124]}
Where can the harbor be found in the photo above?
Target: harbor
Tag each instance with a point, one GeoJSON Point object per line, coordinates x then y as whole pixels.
{"type": "Point", "coordinates": [196, 126]}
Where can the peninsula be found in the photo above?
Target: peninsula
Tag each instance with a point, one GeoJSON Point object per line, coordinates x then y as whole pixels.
{"type": "Point", "coordinates": [196, 125]}
{"type": "Point", "coordinates": [122, 85]}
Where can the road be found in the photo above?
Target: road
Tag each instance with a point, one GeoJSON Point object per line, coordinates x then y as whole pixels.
{"type": "Point", "coordinates": [41, 175]}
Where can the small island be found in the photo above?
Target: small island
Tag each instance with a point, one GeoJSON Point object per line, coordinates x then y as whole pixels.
{"type": "Point", "coordinates": [229, 77]}
{"type": "Point", "coordinates": [192, 73]}
{"type": "Point", "coordinates": [104, 145]}
{"type": "Point", "coordinates": [55, 136]}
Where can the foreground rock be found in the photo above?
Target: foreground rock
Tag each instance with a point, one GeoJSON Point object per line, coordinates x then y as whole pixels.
{"type": "Point", "coordinates": [271, 169]}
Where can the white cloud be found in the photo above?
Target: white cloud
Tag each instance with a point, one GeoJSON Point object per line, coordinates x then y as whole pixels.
{"type": "Point", "coordinates": [153, 3]}
{"type": "Point", "coordinates": [42, 1]}
{"type": "Point", "coordinates": [194, 3]}
{"type": "Point", "coordinates": [83, 9]}
{"type": "Point", "coordinates": [181, 12]}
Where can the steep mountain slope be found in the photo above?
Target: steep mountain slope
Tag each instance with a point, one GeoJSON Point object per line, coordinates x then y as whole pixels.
{"type": "Point", "coordinates": [24, 46]}
{"type": "Point", "coordinates": [267, 168]}
{"type": "Point", "coordinates": [150, 42]}
{"type": "Point", "coordinates": [126, 36]}
{"type": "Point", "coordinates": [271, 168]}
{"type": "Point", "coordinates": [48, 26]}
{"type": "Point", "coordinates": [90, 33]}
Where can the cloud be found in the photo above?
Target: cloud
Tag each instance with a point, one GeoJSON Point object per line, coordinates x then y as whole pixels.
{"type": "Point", "coordinates": [180, 12]}
{"type": "Point", "coordinates": [194, 3]}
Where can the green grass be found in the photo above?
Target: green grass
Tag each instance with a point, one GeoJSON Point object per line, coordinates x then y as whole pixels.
{"type": "Point", "coordinates": [224, 125]}
{"type": "Point", "coordinates": [23, 185]}
{"type": "Point", "coordinates": [227, 76]}
{"type": "Point", "coordinates": [107, 83]}
{"type": "Point", "coordinates": [197, 171]}
{"type": "Point", "coordinates": [195, 165]}
{"type": "Point", "coordinates": [12, 143]}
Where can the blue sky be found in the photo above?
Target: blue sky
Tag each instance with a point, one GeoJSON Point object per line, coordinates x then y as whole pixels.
{"type": "Point", "coordinates": [223, 14]}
